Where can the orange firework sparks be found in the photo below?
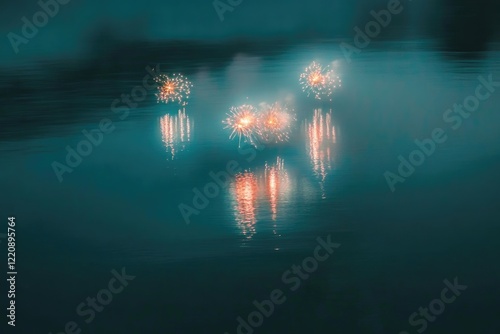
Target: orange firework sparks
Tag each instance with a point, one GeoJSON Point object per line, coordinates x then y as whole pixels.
{"type": "Point", "coordinates": [315, 78]}
{"type": "Point", "coordinates": [275, 123]}
{"type": "Point", "coordinates": [242, 121]}
{"type": "Point", "coordinates": [319, 81]}
{"type": "Point", "coordinates": [175, 88]}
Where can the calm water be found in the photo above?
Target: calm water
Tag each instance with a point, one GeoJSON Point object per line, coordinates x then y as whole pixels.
{"type": "Point", "coordinates": [119, 207]}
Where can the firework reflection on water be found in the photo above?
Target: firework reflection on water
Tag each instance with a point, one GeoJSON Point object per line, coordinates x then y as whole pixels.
{"type": "Point", "coordinates": [244, 193]}
{"type": "Point", "coordinates": [250, 190]}
{"type": "Point", "coordinates": [176, 132]}
{"type": "Point", "coordinates": [321, 138]}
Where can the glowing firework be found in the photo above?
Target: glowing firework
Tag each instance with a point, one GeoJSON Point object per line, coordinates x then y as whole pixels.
{"type": "Point", "coordinates": [319, 81]}
{"type": "Point", "coordinates": [175, 88]}
{"type": "Point", "coordinates": [275, 123]}
{"type": "Point", "coordinates": [242, 121]}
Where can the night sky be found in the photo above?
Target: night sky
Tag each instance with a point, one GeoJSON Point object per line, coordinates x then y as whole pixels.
{"type": "Point", "coordinates": [71, 31]}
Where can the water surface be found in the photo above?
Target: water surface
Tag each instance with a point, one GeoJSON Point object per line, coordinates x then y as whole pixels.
{"type": "Point", "coordinates": [119, 207]}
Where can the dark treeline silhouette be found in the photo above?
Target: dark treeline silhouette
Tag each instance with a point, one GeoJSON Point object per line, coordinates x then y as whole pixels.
{"type": "Point", "coordinates": [469, 25]}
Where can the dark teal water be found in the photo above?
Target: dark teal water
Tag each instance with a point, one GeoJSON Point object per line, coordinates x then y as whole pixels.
{"type": "Point", "coordinates": [119, 207]}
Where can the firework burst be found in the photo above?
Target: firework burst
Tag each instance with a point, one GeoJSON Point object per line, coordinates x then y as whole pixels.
{"type": "Point", "coordinates": [319, 81]}
{"type": "Point", "coordinates": [275, 123]}
{"type": "Point", "coordinates": [242, 121]}
{"type": "Point", "coordinates": [175, 88]}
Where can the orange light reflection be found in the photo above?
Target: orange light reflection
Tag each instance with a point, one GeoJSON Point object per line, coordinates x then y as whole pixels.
{"type": "Point", "coordinates": [250, 190]}
{"type": "Point", "coordinates": [245, 193]}
{"type": "Point", "coordinates": [175, 131]}
{"type": "Point", "coordinates": [320, 137]}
